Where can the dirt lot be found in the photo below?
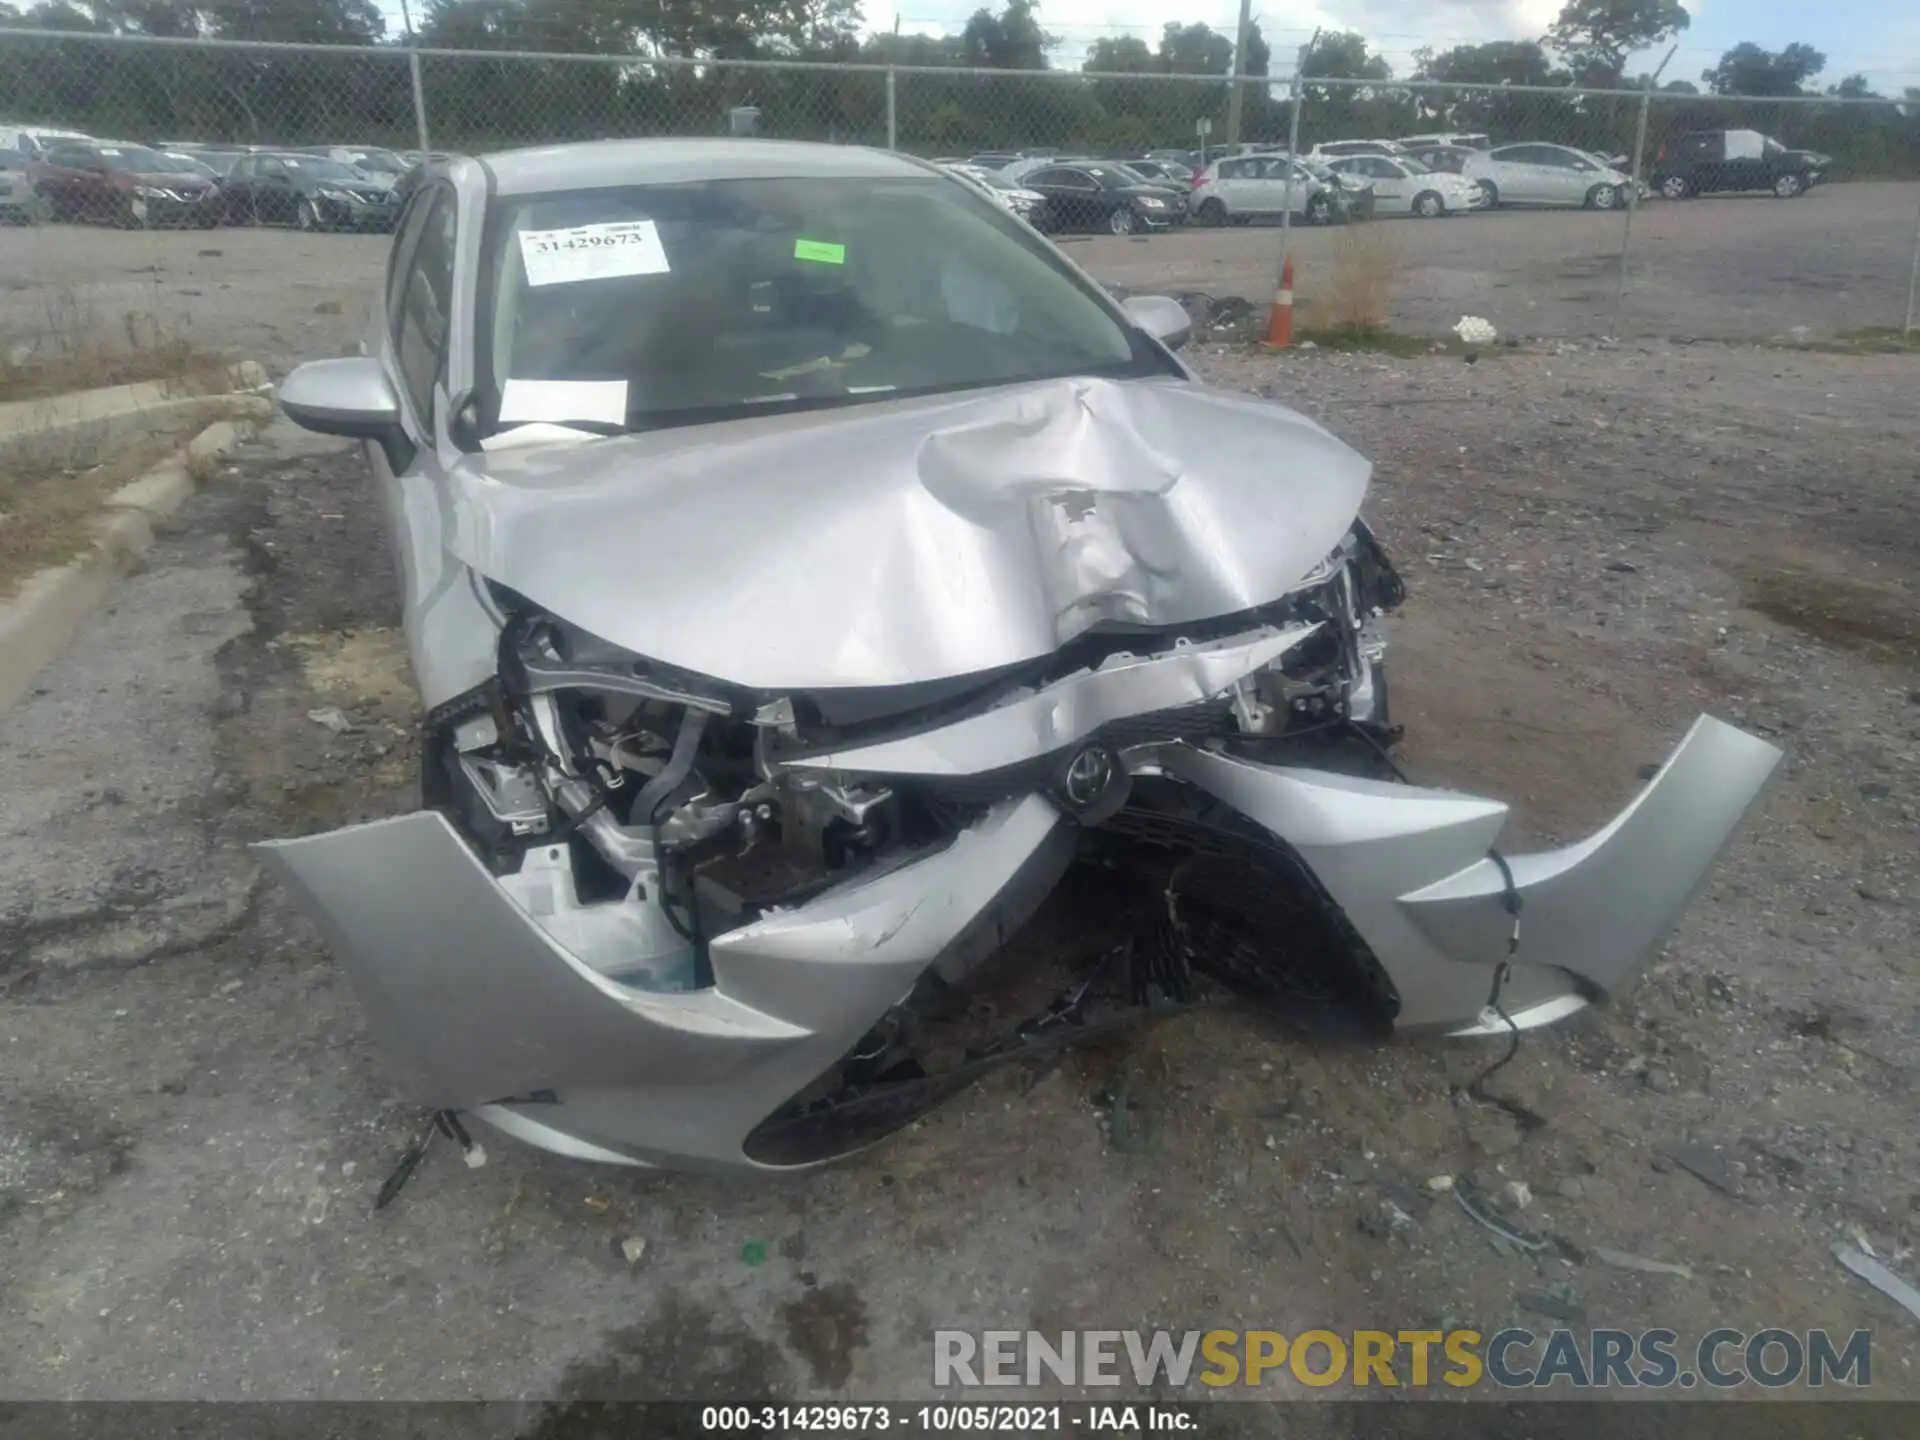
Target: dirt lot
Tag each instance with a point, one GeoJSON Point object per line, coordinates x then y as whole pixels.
{"type": "Point", "coordinates": [1727, 267]}
{"type": "Point", "coordinates": [1600, 542]}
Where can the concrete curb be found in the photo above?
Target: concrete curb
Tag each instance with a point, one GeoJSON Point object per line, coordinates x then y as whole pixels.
{"type": "Point", "coordinates": [67, 423]}
{"type": "Point", "coordinates": [44, 615]}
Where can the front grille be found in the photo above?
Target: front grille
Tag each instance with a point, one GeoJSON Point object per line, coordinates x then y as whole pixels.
{"type": "Point", "coordinates": [1203, 721]}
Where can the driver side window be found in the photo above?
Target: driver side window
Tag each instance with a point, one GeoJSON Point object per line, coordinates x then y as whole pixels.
{"type": "Point", "coordinates": [420, 322]}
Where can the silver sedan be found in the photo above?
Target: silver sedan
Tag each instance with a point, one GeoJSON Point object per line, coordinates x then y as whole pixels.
{"type": "Point", "coordinates": [808, 571]}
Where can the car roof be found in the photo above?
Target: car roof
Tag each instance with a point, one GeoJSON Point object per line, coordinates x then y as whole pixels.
{"type": "Point", "coordinates": [596, 163]}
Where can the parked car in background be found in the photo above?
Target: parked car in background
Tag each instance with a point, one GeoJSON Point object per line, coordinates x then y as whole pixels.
{"type": "Point", "coordinates": [34, 140]}
{"type": "Point", "coordinates": [1342, 149]}
{"type": "Point", "coordinates": [1539, 174]}
{"type": "Point", "coordinates": [1092, 195]}
{"type": "Point", "coordinates": [18, 204]}
{"type": "Point", "coordinates": [1242, 189]}
{"type": "Point", "coordinates": [128, 185]}
{"type": "Point", "coordinates": [1402, 185]}
{"type": "Point", "coordinates": [1446, 139]}
{"type": "Point", "coordinates": [1166, 172]}
{"type": "Point", "coordinates": [308, 192]}
{"type": "Point", "coordinates": [1705, 162]}
{"type": "Point", "coordinates": [993, 159]}
{"type": "Point", "coordinates": [1017, 198]}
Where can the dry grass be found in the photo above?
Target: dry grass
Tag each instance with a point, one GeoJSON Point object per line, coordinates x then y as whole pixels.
{"type": "Point", "coordinates": [1352, 295]}
{"type": "Point", "coordinates": [47, 512]}
{"type": "Point", "coordinates": [71, 349]}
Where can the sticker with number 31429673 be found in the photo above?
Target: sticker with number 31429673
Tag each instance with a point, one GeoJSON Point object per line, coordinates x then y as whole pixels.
{"type": "Point", "coordinates": [604, 251]}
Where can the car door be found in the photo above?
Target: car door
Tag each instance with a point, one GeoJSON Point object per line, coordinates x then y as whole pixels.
{"type": "Point", "coordinates": [1744, 166]}
{"type": "Point", "coordinates": [1520, 176]}
{"type": "Point", "coordinates": [1234, 186]}
{"type": "Point", "coordinates": [236, 192]}
{"type": "Point", "coordinates": [1706, 160]}
{"type": "Point", "coordinates": [1565, 176]}
{"type": "Point", "coordinates": [1392, 187]}
{"type": "Point", "coordinates": [58, 177]}
{"type": "Point", "coordinates": [1084, 202]}
{"type": "Point", "coordinates": [275, 196]}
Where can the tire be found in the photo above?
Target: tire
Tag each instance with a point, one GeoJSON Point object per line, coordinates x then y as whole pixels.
{"type": "Point", "coordinates": [49, 207]}
{"type": "Point", "coordinates": [1788, 186]}
{"type": "Point", "coordinates": [1319, 210]}
{"type": "Point", "coordinates": [1492, 192]}
{"type": "Point", "coordinates": [127, 220]}
{"type": "Point", "coordinates": [1428, 205]}
{"type": "Point", "coordinates": [306, 217]}
{"type": "Point", "coordinates": [1603, 197]}
{"type": "Point", "coordinates": [1676, 187]}
{"type": "Point", "coordinates": [1121, 222]}
{"type": "Point", "coordinates": [1211, 212]}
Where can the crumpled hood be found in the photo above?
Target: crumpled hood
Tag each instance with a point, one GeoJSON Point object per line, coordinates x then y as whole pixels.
{"type": "Point", "coordinates": [913, 540]}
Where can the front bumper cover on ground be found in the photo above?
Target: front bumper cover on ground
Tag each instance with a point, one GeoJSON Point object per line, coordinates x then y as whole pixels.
{"type": "Point", "coordinates": [497, 1018]}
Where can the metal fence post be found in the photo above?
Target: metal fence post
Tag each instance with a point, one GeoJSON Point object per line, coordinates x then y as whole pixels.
{"type": "Point", "coordinates": [1293, 152]}
{"type": "Point", "coordinates": [893, 114]}
{"type": "Point", "coordinates": [413, 74]}
{"type": "Point", "coordinates": [1913, 281]}
{"type": "Point", "coordinates": [1633, 194]}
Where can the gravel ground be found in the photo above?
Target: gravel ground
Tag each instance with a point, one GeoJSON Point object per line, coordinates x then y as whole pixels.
{"type": "Point", "coordinates": [1600, 542]}
{"type": "Point", "coordinates": [1725, 267]}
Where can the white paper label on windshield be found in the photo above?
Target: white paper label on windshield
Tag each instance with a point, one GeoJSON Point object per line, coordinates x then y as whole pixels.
{"type": "Point", "coordinates": [593, 252]}
{"type": "Point", "coordinates": [105, 151]}
{"type": "Point", "coordinates": [563, 400]}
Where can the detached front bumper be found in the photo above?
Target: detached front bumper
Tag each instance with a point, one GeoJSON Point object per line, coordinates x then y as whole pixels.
{"type": "Point", "coordinates": [1412, 871]}
{"type": "Point", "coordinates": [575, 1026]}
{"type": "Point", "coordinates": [469, 987]}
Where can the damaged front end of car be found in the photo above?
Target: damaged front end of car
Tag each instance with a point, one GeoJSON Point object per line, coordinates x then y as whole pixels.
{"type": "Point", "coordinates": [654, 916]}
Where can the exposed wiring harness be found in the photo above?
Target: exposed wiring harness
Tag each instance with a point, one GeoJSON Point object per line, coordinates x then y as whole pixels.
{"type": "Point", "coordinates": [1503, 972]}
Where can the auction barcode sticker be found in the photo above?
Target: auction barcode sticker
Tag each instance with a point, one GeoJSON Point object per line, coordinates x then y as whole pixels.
{"type": "Point", "coordinates": [593, 252]}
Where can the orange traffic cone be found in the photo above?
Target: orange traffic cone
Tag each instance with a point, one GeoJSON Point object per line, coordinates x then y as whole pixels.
{"type": "Point", "coordinates": [1280, 320]}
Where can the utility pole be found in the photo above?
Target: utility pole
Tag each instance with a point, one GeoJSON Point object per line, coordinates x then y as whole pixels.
{"type": "Point", "coordinates": [413, 72]}
{"type": "Point", "coordinates": [1633, 191]}
{"type": "Point", "coordinates": [1235, 88]}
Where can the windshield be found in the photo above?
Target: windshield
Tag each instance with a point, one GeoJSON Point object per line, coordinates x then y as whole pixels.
{"type": "Point", "coordinates": [134, 158]}
{"type": "Point", "coordinates": [319, 167]}
{"type": "Point", "coordinates": [1413, 165]}
{"type": "Point", "coordinates": [181, 164]}
{"type": "Point", "coordinates": [676, 304]}
{"type": "Point", "coordinates": [377, 162]}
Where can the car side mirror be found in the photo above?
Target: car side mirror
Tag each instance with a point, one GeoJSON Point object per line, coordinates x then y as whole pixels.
{"type": "Point", "coordinates": [1162, 317]}
{"type": "Point", "coordinates": [350, 397]}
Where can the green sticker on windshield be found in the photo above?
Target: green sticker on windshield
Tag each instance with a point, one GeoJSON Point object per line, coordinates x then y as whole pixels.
{"type": "Point", "coordinates": [820, 252]}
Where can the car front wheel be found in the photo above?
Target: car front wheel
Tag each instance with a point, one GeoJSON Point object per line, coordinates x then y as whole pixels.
{"type": "Point", "coordinates": [1603, 197]}
{"type": "Point", "coordinates": [1428, 205]}
{"type": "Point", "coordinates": [1319, 210]}
{"type": "Point", "coordinates": [1211, 212]}
{"type": "Point", "coordinates": [1788, 186]}
{"type": "Point", "coordinates": [1121, 222]}
{"type": "Point", "coordinates": [306, 217]}
{"type": "Point", "coordinates": [1676, 187]}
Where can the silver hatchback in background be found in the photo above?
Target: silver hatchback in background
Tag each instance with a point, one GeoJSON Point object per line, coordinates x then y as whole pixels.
{"type": "Point", "coordinates": [810, 573]}
{"type": "Point", "coordinates": [1541, 174]}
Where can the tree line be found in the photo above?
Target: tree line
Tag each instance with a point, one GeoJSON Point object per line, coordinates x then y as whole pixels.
{"type": "Point", "coordinates": [1118, 100]}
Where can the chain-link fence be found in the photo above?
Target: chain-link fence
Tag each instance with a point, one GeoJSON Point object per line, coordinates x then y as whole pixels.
{"type": "Point", "coordinates": [1548, 211]}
